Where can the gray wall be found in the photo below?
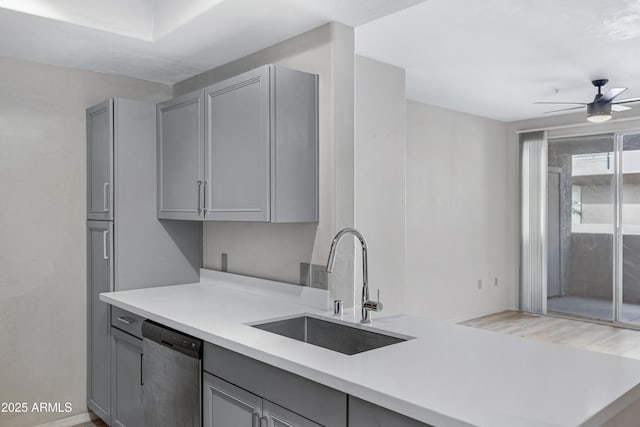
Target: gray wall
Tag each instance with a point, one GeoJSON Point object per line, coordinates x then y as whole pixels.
{"type": "Point", "coordinates": [42, 229]}
{"type": "Point", "coordinates": [380, 177]}
{"type": "Point", "coordinates": [274, 251]}
{"type": "Point", "coordinates": [461, 214]}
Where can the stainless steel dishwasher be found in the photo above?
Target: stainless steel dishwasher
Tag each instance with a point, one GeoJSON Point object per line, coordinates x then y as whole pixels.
{"type": "Point", "coordinates": [171, 377]}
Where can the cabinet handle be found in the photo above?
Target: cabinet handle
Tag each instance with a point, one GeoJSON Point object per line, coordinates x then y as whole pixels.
{"type": "Point", "coordinates": [105, 252]}
{"type": "Point", "coordinates": [204, 198]}
{"type": "Point", "coordinates": [105, 196]}
{"type": "Point", "coordinates": [141, 382]}
{"type": "Point", "coordinates": [199, 198]}
{"type": "Point", "coordinates": [126, 320]}
{"type": "Point", "coordinates": [255, 422]}
{"type": "Point", "coordinates": [264, 422]}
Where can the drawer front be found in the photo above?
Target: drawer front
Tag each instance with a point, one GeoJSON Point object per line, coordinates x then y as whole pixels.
{"type": "Point", "coordinates": [321, 404]}
{"type": "Point", "coordinates": [126, 321]}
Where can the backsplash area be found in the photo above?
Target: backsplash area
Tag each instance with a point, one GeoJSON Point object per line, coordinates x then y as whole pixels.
{"type": "Point", "coordinates": [269, 251]}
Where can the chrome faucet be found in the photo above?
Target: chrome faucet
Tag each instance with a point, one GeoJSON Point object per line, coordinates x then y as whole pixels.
{"type": "Point", "coordinates": [367, 305]}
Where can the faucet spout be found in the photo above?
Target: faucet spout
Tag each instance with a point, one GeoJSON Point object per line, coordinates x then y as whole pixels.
{"type": "Point", "coordinates": [367, 305]}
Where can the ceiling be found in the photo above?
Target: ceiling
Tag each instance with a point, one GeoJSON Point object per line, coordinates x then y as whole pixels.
{"type": "Point", "coordinates": [165, 40]}
{"type": "Point", "coordinates": [494, 58]}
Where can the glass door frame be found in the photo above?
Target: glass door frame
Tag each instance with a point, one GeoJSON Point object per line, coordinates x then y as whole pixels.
{"type": "Point", "coordinates": [618, 250]}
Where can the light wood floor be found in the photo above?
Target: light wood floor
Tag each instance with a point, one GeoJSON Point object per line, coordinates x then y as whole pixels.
{"type": "Point", "coordinates": [95, 423]}
{"type": "Point", "coordinates": [573, 333]}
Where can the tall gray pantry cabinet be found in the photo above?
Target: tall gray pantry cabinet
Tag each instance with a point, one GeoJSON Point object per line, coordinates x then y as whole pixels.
{"type": "Point", "coordinates": [128, 247]}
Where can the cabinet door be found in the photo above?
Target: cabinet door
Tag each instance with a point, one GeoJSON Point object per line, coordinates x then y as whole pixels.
{"type": "Point", "coordinates": [277, 416]}
{"type": "Point", "coordinates": [100, 161]}
{"type": "Point", "coordinates": [180, 157]}
{"type": "Point", "coordinates": [226, 405]}
{"type": "Point", "coordinates": [237, 153]}
{"type": "Point", "coordinates": [99, 279]}
{"type": "Point", "coordinates": [126, 380]}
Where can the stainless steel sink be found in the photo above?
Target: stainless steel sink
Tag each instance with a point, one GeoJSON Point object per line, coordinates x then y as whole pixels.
{"type": "Point", "coordinates": [333, 336]}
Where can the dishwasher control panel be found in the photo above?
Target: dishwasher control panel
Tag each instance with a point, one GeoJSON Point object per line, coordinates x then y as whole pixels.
{"type": "Point", "coordinates": [171, 338]}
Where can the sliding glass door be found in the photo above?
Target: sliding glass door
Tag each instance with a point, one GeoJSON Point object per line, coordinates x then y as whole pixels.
{"type": "Point", "coordinates": [581, 195]}
{"type": "Point", "coordinates": [629, 233]}
{"type": "Point", "coordinates": [593, 227]}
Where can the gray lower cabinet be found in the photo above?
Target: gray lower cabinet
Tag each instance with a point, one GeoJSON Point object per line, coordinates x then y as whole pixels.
{"type": "Point", "coordinates": [241, 391]}
{"type": "Point", "coordinates": [277, 416]}
{"type": "Point", "coordinates": [366, 414]}
{"type": "Point", "coordinates": [242, 149]}
{"type": "Point", "coordinates": [224, 404]}
{"type": "Point", "coordinates": [287, 399]}
{"type": "Point", "coordinates": [227, 405]}
{"type": "Point", "coordinates": [126, 380]}
{"type": "Point", "coordinates": [99, 279]}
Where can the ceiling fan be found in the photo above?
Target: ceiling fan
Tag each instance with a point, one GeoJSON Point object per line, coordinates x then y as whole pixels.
{"type": "Point", "coordinates": [599, 110]}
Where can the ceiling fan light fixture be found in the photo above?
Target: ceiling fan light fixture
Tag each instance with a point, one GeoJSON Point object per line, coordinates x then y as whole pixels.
{"type": "Point", "coordinates": [599, 117]}
{"type": "Point", "coordinates": [599, 112]}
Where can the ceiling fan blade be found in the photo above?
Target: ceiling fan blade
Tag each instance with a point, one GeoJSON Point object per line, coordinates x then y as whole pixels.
{"type": "Point", "coordinates": [626, 101]}
{"type": "Point", "coordinates": [564, 109]}
{"type": "Point", "coordinates": [608, 97]}
{"type": "Point", "coordinates": [562, 103]}
{"type": "Point", "coordinates": [616, 107]}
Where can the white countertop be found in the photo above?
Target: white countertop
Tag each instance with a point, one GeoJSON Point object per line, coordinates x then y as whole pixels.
{"type": "Point", "coordinates": [449, 375]}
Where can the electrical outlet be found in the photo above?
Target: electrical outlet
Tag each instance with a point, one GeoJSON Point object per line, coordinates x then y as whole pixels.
{"type": "Point", "coordinates": [305, 274]}
{"type": "Point", "coordinates": [319, 277]}
{"type": "Point", "coordinates": [314, 275]}
{"type": "Point", "coordinates": [224, 262]}
{"type": "Point", "coordinates": [479, 284]}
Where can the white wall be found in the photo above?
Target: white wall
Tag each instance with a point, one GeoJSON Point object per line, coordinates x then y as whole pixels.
{"type": "Point", "coordinates": [461, 215]}
{"type": "Point", "coordinates": [275, 251]}
{"type": "Point", "coordinates": [380, 178]}
{"type": "Point", "coordinates": [42, 229]}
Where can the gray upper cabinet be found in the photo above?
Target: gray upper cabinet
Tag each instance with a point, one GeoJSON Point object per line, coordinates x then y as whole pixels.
{"type": "Point", "coordinates": [237, 154]}
{"type": "Point", "coordinates": [258, 134]}
{"type": "Point", "coordinates": [100, 161]}
{"type": "Point", "coordinates": [294, 146]}
{"type": "Point", "coordinates": [100, 279]}
{"type": "Point", "coordinates": [148, 251]}
{"type": "Point", "coordinates": [126, 380]}
{"type": "Point", "coordinates": [181, 157]}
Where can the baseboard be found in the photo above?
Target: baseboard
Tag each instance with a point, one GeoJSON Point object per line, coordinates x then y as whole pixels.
{"type": "Point", "coordinates": [71, 421]}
